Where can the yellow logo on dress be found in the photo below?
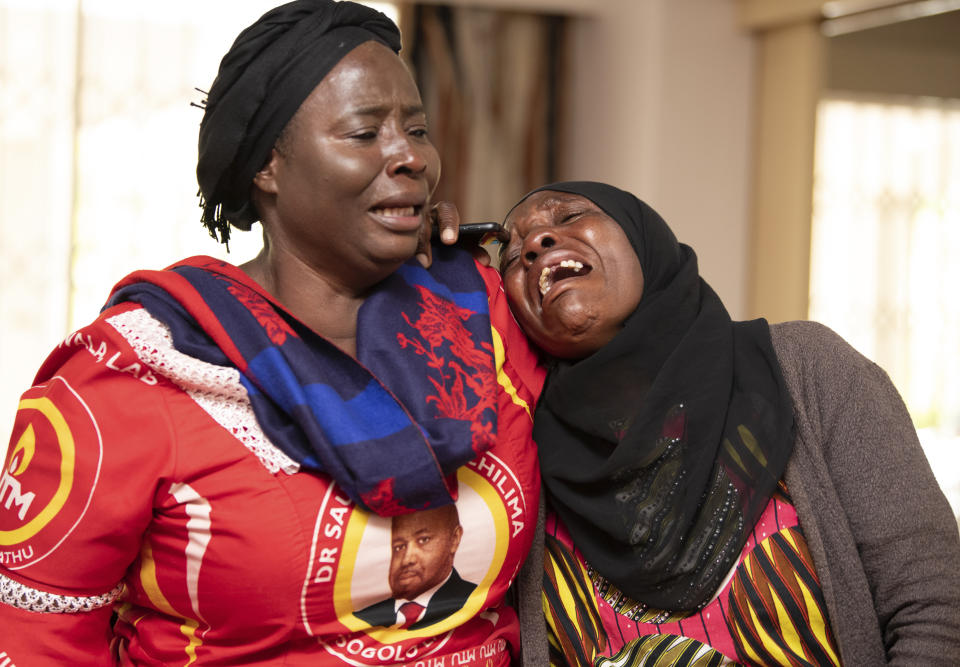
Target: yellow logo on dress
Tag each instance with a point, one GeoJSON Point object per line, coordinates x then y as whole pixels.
{"type": "Point", "coordinates": [12, 491]}
{"type": "Point", "coordinates": [51, 471]}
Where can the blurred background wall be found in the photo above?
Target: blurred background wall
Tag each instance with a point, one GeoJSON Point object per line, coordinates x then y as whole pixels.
{"type": "Point", "coordinates": [809, 151]}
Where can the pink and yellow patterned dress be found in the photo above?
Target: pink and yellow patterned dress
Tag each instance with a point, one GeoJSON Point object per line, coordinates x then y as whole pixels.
{"type": "Point", "coordinates": [770, 611]}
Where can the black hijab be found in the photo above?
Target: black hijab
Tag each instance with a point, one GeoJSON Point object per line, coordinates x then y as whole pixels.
{"type": "Point", "coordinates": [272, 67]}
{"type": "Point", "coordinates": [660, 450]}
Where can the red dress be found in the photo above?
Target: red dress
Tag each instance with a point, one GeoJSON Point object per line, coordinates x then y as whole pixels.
{"type": "Point", "coordinates": [145, 518]}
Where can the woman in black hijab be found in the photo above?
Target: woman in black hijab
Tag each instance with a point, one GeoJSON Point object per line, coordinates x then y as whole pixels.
{"type": "Point", "coordinates": [716, 490]}
{"type": "Point", "coordinates": [208, 472]}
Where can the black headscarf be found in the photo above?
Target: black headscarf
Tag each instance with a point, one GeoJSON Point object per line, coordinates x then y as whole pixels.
{"type": "Point", "coordinates": [660, 450]}
{"type": "Point", "coordinates": [272, 67]}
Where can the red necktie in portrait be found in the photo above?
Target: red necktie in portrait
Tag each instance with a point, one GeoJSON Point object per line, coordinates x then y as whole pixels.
{"type": "Point", "coordinates": [410, 613]}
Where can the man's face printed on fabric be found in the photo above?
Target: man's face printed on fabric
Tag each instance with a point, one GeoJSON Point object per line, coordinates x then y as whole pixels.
{"type": "Point", "coordinates": [422, 550]}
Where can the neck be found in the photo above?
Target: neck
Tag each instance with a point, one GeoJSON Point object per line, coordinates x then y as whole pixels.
{"type": "Point", "coordinates": [327, 307]}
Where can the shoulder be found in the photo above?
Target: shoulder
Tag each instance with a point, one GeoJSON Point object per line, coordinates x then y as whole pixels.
{"type": "Point", "coordinates": [102, 384]}
{"type": "Point", "coordinates": [806, 338]}
{"type": "Point", "coordinates": [835, 388]}
{"type": "Point", "coordinates": [99, 376]}
{"type": "Point", "coordinates": [378, 607]}
{"type": "Point", "coordinates": [379, 613]}
{"type": "Point", "coordinates": [94, 350]}
{"type": "Point", "coordinates": [456, 586]}
{"type": "Point", "coordinates": [811, 352]}
{"type": "Point", "coordinates": [457, 580]}
{"type": "Point", "coordinates": [827, 378]}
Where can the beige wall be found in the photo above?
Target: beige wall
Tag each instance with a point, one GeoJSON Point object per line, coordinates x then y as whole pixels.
{"type": "Point", "coordinates": [788, 85]}
{"type": "Point", "coordinates": [661, 97]}
{"type": "Point", "coordinates": [660, 94]}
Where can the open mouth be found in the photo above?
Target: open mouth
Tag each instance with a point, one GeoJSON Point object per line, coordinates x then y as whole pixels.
{"type": "Point", "coordinates": [398, 211]}
{"type": "Point", "coordinates": [568, 268]}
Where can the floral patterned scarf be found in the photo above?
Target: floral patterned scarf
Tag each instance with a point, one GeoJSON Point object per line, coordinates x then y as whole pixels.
{"type": "Point", "coordinates": [390, 426]}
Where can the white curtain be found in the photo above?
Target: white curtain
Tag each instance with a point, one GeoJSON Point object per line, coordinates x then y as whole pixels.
{"type": "Point", "coordinates": [886, 238]}
{"type": "Point", "coordinates": [98, 147]}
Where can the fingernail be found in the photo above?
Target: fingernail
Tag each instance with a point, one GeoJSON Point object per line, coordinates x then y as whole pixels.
{"type": "Point", "coordinates": [448, 235]}
{"type": "Point", "coordinates": [422, 258]}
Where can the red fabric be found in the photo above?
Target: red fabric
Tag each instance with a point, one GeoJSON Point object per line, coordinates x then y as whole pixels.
{"type": "Point", "coordinates": [220, 558]}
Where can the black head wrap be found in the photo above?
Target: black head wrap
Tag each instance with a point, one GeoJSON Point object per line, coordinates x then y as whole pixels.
{"type": "Point", "coordinates": [660, 450]}
{"type": "Point", "coordinates": [272, 67]}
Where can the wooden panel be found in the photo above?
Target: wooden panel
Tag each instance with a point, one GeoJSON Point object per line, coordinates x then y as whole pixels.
{"type": "Point", "coordinates": [846, 7]}
{"type": "Point", "coordinates": [789, 85]}
{"type": "Point", "coordinates": [570, 7]}
{"type": "Point", "coordinates": [764, 14]}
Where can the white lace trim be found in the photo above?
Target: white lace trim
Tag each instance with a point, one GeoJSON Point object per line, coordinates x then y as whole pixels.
{"type": "Point", "coordinates": [21, 596]}
{"type": "Point", "coordinates": [216, 389]}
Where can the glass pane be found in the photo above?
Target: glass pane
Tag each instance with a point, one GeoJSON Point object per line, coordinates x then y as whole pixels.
{"type": "Point", "coordinates": [37, 72]}
{"type": "Point", "coordinates": [886, 234]}
{"type": "Point", "coordinates": [98, 147]}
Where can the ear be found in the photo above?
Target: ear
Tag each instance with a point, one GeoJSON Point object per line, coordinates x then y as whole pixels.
{"type": "Point", "coordinates": [455, 539]}
{"type": "Point", "coordinates": [266, 178]}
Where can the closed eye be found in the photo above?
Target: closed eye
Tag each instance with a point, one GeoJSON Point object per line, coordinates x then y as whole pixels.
{"type": "Point", "coordinates": [506, 259]}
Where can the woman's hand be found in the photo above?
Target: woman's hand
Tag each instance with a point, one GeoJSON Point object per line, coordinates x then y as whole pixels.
{"type": "Point", "coordinates": [445, 217]}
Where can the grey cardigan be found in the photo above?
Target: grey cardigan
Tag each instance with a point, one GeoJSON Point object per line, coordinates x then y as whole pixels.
{"type": "Point", "coordinates": [881, 533]}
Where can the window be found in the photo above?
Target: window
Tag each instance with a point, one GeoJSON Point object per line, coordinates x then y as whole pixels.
{"type": "Point", "coordinates": [886, 237]}
{"type": "Point", "coordinates": [98, 145]}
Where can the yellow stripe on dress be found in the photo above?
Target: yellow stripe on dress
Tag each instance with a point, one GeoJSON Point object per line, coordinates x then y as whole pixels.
{"type": "Point", "coordinates": [151, 586]}
{"type": "Point", "coordinates": [574, 625]}
{"type": "Point", "coordinates": [770, 640]}
{"type": "Point", "coordinates": [818, 624]}
{"type": "Point", "coordinates": [777, 612]}
{"type": "Point", "coordinates": [666, 651]}
{"type": "Point", "coordinates": [499, 354]}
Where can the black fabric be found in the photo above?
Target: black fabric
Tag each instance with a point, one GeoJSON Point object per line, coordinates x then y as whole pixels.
{"type": "Point", "coordinates": [660, 450]}
{"type": "Point", "coordinates": [263, 79]}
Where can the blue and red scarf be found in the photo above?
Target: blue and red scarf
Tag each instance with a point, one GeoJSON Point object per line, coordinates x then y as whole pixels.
{"type": "Point", "coordinates": [391, 426]}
